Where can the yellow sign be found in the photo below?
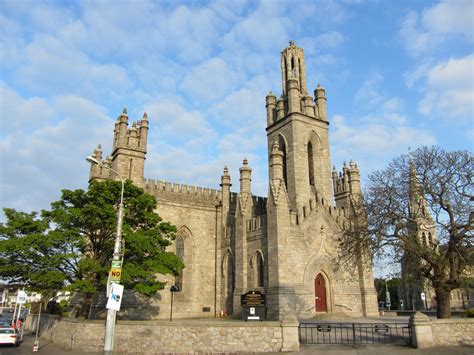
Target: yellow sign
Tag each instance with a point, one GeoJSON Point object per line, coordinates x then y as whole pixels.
{"type": "Point", "coordinates": [115, 275]}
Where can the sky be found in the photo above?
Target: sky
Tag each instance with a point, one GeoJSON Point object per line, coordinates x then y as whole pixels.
{"type": "Point", "coordinates": [398, 75]}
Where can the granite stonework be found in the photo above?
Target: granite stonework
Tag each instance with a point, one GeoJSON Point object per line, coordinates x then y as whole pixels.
{"type": "Point", "coordinates": [428, 333]}
{"type": "Point", "coordinates": [182, 336]}
{"type": "Point", "coordinates": [235, 242]}
{"type": "Point", "coordinates": [453, 331]}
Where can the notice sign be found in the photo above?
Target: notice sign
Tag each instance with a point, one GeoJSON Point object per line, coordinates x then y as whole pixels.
{"type": "Point", "coordinates": [252, 299]}
{"type": "Point", "coordinates": [21, 298]}
{"type": "Point", "coordinates": [115, 274]}
{"type": "Point", "coordinates": [115, 297]}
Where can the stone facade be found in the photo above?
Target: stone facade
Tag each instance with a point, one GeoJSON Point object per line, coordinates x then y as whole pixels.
{"type": "Point", "coordinates": [283, 245]}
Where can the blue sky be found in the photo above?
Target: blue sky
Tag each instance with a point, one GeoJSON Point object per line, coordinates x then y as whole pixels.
{"type": "Point", "coordinates": [397, 74]}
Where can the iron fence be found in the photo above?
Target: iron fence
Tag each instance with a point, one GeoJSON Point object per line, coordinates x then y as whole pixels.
{"type": "Point", "coordinates": [355, 333]}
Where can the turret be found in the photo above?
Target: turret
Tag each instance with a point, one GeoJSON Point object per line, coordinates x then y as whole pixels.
{"type": "Point", "coordinates": [122, 128]}
{"type": "Point", "coordinates": [280, 108]}
{"type": "Point", "coordinates": [354, 178]}
{"type": "Point", "coordinates": [143, 132]}
{"type": "Point", "coordinates": [225, 185]}
{"type": "Point", "coordinates": [245, 177]}
{"type": "Point", "coordinates": [276, 163]}
{"type": "Point", "coordinates": [320, 99]}
{"type": "Point", "coordinates": [271, 108]}
{"type": "Point", "coordinates": [133, 136]}
{"type": "Point", "coordinates": [335, 179]}
{"type": "Point", "coordinates": [293, 95]}
{"type": "Point", "coordinates": [308, 105]}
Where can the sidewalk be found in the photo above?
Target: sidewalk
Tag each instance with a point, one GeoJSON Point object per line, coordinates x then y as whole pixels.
{"type": "Point", "coordinates": [46, 347]}
{"type": "Point", "coordinates": [382, 350]}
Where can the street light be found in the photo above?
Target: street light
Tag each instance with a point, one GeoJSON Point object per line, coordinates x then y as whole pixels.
{"type": "Point", "coordinates": [111, 314]}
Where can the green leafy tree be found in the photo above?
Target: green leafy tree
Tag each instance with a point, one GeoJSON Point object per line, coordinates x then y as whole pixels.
{"type": "Point", "coordinates": [71, 245]}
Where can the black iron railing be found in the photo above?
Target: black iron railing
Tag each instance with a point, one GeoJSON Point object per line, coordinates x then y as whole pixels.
{"type": "Point", "coordinates": [355, 333]}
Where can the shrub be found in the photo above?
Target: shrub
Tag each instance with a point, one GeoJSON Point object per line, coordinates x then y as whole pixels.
{"type": "Point", "coordinates": [470, 313]}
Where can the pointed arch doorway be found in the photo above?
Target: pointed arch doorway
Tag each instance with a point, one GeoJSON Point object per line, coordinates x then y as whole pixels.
{"type": "Point", "coordinates": [320, 294]}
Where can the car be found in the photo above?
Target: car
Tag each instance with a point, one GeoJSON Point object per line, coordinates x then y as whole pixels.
{"type": "Point", "coordinates": [9, 336]}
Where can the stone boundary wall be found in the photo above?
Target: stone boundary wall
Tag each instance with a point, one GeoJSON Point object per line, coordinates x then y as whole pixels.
{"type": "Point", "coordinates": [181, 336]}
{"type": "Point", "coordinates": [428, 333]}
{"type": "Point", "coordinates": [453, 331]}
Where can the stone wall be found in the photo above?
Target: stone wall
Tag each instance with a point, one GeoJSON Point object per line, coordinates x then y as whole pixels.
{"type": "Point", "coordinates": [166, 337]}
{"type": "Point", "coordinates": [428, 333]}
{"type": "Point", "coordinates": [453, 331]}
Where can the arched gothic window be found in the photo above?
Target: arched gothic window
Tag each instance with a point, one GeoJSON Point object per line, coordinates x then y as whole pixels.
{"type": "Point", "coordinates": [260, 270]}
{"type": "Point", "coordinates": [180, 253]}
{"type": "Point", "coordinates": [281, 143]}
{"type": "Point", "coordinates": [423, 238]}
{"type": "Point", "coordinates": [310, 164]}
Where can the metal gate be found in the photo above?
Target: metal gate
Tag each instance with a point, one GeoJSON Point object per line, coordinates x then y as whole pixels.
{"type": "Point", "coordinates": [355, 333]}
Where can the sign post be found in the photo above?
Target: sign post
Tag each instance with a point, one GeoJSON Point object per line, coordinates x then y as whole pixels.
{"type": "Point", "coordinates": [173, 289]}
{"type": "Point", "coordinates": [423, 298]}
{"type": "Point", "coordinates": [36, 343]}
{"type": "Point", "coordinates": [115, 297]}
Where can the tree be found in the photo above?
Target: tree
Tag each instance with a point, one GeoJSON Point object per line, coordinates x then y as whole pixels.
{"type": "Point", "coordinates": [72, 244]}
{"type": "Point", "coordinates": [393, 286]}
{"type": "Point", "coordinates": [418, 196]}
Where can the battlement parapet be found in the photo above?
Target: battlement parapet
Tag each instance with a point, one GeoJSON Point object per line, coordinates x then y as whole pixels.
{"type": "Point", "coordinates": [152, 186]}
{"type": "Point", "coordinates": [256, 223]}
{"type": "Point", "coordinates": [259, 205]}
{"type": "Point", "coordinates": [302, 214]}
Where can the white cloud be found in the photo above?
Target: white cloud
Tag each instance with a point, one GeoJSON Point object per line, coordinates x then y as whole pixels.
{"type": "Point", "coordinates": [436, 24]}
{"type": "Point", "coordinates": [209, 80]}
{"type": "Point", "coordinates": [40, 161]}
{"type": "Point", "coordinates": [17, 113]}
{"type": "Point", "coordinates": [450, 89]}
{"type": "Point", "coordinates": [53, 66]}
{"type": "Point", "coordinates": [372, 144]}
{"type": "Point", "coordinates": [172, 122]}
{"type": "Point", "coordinates": [368, 96]}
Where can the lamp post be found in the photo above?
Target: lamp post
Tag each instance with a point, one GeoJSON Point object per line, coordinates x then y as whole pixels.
{"type": "Point", "coordinates": [111, 314]}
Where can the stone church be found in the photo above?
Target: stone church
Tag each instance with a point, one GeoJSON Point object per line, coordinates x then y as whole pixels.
{"type": "Point", "coordinates": [283, 245]}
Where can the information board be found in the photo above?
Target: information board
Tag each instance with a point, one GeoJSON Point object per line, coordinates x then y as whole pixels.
{"type": "Point", "coordinates": [252, 299]}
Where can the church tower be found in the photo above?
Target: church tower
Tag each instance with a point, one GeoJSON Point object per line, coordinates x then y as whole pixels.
{"type": "Point", "coordinates": [422, 229]}
{"type": "Point", "coordinates": [128, 152]}
{"type": "Point", "coordinates": [300, 126]}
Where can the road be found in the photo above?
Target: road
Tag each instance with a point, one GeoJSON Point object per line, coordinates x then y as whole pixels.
{"type": "Point", "coordinates": [45, 347]}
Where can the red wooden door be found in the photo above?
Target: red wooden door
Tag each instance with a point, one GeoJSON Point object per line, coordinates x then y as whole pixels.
{"type": "Point", "coordinates": [320, 293]}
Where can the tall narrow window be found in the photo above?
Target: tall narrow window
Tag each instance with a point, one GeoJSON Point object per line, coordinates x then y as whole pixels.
{"type": "Point", "coordinates": [180, 253]}
{"type": "Point", "coordinates": [130, 165]}
{"type": "Point", "coordinates": [423, 238]}
{"type": "Point", "coordinates": [310, 164]}
{"type": "Point", "coordinates": [300, 74]}
{"type": "Point", "coordinates": [430, 238]}
{"type": "Point", "coordinates": [281, 143]}
{"type": "Point", "coordinates": [260, 270]}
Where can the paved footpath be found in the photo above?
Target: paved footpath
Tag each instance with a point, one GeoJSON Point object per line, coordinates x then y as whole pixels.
{"type": "Point", "coordinates": [48, 348]}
